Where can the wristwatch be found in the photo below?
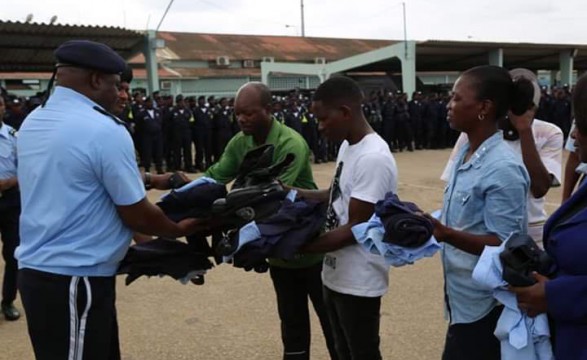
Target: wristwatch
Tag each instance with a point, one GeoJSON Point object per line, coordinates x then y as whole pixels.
{"type": "Point", "coordinates": [148, 181]}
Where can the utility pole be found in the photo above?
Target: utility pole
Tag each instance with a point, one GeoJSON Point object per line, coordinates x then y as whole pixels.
{"type": "Point", "coordinates": [303, 25]}
{"type": "Point", "coordinates": [405, 30]}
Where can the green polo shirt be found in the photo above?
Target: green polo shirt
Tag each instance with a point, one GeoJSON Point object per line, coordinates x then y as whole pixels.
{"type": "Point", "coordinates": [297, 174]}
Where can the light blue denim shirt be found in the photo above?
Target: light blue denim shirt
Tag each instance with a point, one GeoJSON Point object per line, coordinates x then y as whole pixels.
{"type": "Point", "coordinates": [7, 152]}
{"type": "Point", "coordinates": [485, 195]}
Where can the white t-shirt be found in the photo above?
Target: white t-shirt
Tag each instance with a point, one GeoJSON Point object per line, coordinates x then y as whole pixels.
{"type": "Point", "coordinates": [549, 143]}
{"type": "Point", "coordinates": [570, 146]}
{"type": "Point", "coordinates": [366, 171]}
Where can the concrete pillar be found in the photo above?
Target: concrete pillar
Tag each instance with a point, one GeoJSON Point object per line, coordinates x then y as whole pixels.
{"type": "Point", "coordinates": [566, 66]}
{"type": "Point", "coordinates": [553, 74]}
{"type": "Point", "coordinates": [496, 57]}
{"type": "Point", "coordinates": [150, 52]}
{"type": "Point", "coordinates": [409, 69]}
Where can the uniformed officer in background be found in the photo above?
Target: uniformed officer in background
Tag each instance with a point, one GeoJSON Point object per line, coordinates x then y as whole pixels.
{"type": "Point", "coordinates": [180, 122]}
{"type": "Point", "coordinates": [149, 129]}
{"type": "Point", "coordinates": [9, 213]}
{"type": "Point", "coordinates": [202, 134]}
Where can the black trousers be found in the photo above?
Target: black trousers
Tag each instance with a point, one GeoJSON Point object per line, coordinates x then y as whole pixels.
{"type": "Point", "coordinates": [222, 137]}
{"type": "Point", "coordinates": [474, 340]}
{"type": "Point", "coordinates": [293, 287]}
{"type": "Point", "coordinates": [9, 214]}
{"type": "Point", "coordinates": [202, 138]}
{"type": "Point", "coordinates": [182, 149]}
{"type": "Point", "coordinates": [355, 324]}
{"type": "Point", "coordinates": [152, 150]}
{"type": "Point", "coordinates": [70, 317]}
{"type": "Point", "coordinates": [310, 134]}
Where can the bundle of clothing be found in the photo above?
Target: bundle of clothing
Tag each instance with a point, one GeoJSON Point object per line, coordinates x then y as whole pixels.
{"type": "Point", "coordinates": [397, 231]}
{"type": "Point", "coordinates": [163, 256]}
{"type": "Point", "coordinates": [280, 235]}
{"type": "Point", "coordinates": [255, 195]}
{"type": "Point", "coordinates": [521, 337]}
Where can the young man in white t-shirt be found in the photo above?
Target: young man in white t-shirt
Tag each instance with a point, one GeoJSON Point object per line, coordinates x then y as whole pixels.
{"type": "Point", "coordinates": [354, 279]}
{"type": "Point", "coordinates": [539, 145]}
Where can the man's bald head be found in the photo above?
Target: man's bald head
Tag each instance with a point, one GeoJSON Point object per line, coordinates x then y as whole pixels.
{"type": "Point", "coordinates": [255, 91]}
{"type": "Point", "coordinates": [252, 107]}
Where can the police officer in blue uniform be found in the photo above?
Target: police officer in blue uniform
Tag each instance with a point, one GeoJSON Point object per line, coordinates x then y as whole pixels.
{"type": "Point", "coordinates": [82, 198]}
{"type": "Point", "coordinates": [9, 213]}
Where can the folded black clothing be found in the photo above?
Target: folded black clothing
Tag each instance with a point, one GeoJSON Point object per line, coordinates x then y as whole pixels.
{"type": "Point", "coordinates": [162, 256]}
{"type": "Point", "coordinates": [521, 257]}
{"type": "Point", "coordinates": [192, 203]}
{"type": "Point", "coordinates": [283, 234]}
{"type": "Point", "coordinates": [403, 224]}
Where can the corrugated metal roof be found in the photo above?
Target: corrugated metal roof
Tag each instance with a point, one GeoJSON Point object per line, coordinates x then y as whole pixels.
{"type": "Point", "coordinates": [191, 46]}
{"type": "Point", "coordinates": [30, 46]}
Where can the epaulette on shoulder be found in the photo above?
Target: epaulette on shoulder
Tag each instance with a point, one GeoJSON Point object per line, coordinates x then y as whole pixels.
{"type": "Point", "coordinates": [12, 132]}
{"type": "Point", "coordinates": [106, 113]}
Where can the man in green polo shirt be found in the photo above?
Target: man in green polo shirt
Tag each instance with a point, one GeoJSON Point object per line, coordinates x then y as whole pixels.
{"type": "Point", "coordinates": [294, 281]}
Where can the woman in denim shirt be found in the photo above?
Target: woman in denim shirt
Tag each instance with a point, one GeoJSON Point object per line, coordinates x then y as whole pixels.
{"type": "Point", "coordinates": [564, 297]}
{"type": "Point", "coordinates": [484, 202]}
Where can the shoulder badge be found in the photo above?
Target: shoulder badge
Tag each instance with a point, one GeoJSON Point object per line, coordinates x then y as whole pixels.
{"type": "Point", "coordinates": [13, 132]}
{"type": "Point", "coordinates": [106, 113]}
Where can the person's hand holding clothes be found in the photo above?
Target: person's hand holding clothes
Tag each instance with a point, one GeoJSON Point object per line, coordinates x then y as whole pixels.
{"type": "Point", "coordinates": [532, 299]}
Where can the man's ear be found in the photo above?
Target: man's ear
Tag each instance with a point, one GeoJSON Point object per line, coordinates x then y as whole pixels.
{"type": "Point", "coordinates": [346, 111]}
{"type": "Point", "coordinates": [95, 80]}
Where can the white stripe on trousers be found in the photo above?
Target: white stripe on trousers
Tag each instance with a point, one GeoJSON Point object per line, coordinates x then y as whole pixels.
{"type": "Point", "coordinates": [77, 334]}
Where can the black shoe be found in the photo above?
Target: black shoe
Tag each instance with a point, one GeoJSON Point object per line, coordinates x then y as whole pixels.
{"type": "Point", "coordinates": [10, 312]}
{"type": "Point", "coordinates": [198, 280]}
{"type": "Point", "coordinates": [191, 170]}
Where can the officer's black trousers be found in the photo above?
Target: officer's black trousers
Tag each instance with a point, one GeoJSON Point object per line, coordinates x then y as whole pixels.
{"type": "Point", "coordinates": [222, 137]}
{"type": "Point", "coordinates": [310, 134]}
{"type": "Point", "coordinates": [404, 134]}
{"type": "Point", "coordinates": [70, 315]}
{"type": "Point", "coordinates": [293, 287]}
{"type": "Point", "coordinates": [9, 214]}
{"type": "Point", "coordinates": [182, 148]}
{"type": "Point", "coordinates": [152, 150]}
{"type": "Point", "coordinates": [355, 324]}
{"type": "Point", "coordinates": [202, 138]}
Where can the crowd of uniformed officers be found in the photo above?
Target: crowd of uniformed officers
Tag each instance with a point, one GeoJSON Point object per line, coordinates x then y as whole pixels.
{"type": "Point", "coordinates": [165, 129]}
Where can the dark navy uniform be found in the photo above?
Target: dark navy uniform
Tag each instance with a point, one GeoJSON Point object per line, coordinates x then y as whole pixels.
{"type": "Point", "coordinates": [223, 130]}
{"type": "Point", "coordinates": [150, 130]}
{"type": "Point", "coordinates": [416, 110]}
{"type": "Point", "coordinates": [181, 138]}
{"type": "Point", "coordinates": [201, 129]}
{"type": "Point", "coordinates": [9, 215]}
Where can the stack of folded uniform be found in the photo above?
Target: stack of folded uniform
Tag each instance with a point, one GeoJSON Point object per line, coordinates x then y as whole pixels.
{"type": "Point", "coordinates": [397, 231]}
{"type": "Point", "coordinates": [278, 236]}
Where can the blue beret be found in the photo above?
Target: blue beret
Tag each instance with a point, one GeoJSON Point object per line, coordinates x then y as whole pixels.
{"type": "Point", "coordinates": [90, 55]}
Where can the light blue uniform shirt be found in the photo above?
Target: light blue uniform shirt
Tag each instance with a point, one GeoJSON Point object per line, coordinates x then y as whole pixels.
{"type": "Point", "coordinates": [75, 166]}
{"type": "Point", "coordinates": [485, 195]}
{"type": "Point", "coordinates": [7, 152]}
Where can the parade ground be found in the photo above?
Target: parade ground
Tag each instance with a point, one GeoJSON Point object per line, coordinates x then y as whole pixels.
{"type": "Point", "coordinates": [234, 315]}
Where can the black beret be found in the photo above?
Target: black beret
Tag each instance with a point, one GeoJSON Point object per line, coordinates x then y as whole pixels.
{"type": "Point", "coordinates": [201, 97]}
{"type": "Point", "coordinates": [126, 75]}
{"type": "Point", "coordinates": [179, 97]}
{"type": "Point", "coordinates": [90, 55]}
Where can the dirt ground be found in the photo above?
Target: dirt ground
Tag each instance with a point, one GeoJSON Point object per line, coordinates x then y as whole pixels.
{"type": "Point", "coordinates": [233, 316]}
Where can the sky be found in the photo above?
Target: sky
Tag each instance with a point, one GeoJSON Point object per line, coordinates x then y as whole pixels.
{"type": "Point", "coordinates": [538, 21]}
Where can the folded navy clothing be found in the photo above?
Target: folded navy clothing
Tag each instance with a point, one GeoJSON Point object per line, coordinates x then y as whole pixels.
{"type": "Point", "coordinates": [195, 202]}
{"type": "Point", "coordinates": [162, 256]}
{"type": "Point", "coordinates": [403, 224]}
{"type": "Point", "coordinates": [281, 235]}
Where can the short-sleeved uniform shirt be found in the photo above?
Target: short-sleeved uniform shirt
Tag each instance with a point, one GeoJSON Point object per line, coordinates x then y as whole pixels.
{"type": "Point", "coordinates": [76, 165]}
